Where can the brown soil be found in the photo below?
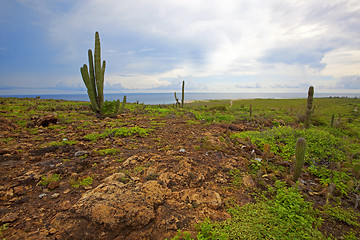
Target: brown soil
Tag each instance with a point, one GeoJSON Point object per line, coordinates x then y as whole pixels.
{"type": "Point", "coordinates": [154, 186]}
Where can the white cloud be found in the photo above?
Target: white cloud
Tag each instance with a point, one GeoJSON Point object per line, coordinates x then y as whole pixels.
{"type": "Point", "coordinates": [342, 62]}
{"type": "Point", "coordinates": [349, 82]}
{"type": "Point", "coordinates": [283, 43]}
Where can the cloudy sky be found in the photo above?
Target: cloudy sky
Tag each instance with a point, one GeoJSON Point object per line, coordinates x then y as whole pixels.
{"type": "Point", "coordinates": [152, 45]}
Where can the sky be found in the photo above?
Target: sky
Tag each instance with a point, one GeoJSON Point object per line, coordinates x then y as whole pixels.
{"type": "Point", "coordinates": [238, 46]}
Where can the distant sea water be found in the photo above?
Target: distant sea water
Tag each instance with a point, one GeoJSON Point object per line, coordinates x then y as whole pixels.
{"type": "Point", "coordinates": [168, 98]}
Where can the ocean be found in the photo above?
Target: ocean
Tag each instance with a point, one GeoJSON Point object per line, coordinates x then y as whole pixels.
{"type": "Point", "coordinates": [168, 98]}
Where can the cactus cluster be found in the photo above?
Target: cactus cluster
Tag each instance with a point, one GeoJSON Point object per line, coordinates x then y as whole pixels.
{"type": "Point", "coordinates": [300, 150]}
{"type": "Point", "coordinates": [93, 78]}
{"type": "Point", "coordinates": [309, 107]}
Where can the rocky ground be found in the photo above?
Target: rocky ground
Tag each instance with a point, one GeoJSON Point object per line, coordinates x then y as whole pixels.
{"type": "Point", "coordinates": [58, 184]}
{"type": "Point", "coordinates": [152, 186]}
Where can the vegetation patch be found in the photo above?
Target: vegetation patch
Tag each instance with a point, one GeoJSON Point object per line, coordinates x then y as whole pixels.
{"type": "Point", "coordinates": [82, 182]}
{"type": "Point", "coordinates": [109, 151]}
{"type": "Point", "coordinates": [118, 132]}
{"type": "Point", "coordinates": [45, 180]}
{"type": "Point", "coordinates": [286, 216]}
{"type": "Point", "coordinates": [321, 145]}
{"type": "Point", "coordinates": [348, 216]}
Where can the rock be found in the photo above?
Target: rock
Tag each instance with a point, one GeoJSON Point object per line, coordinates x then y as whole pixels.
{"type": "Point", "coordinates": [53, 184]}
{"type": "Point", "coordinates": [248, 181]}
{"type": "Point", "coordinates": [52, 231]}
{"type": "Point", "coordinates": [67, 191]}
{"type": "Point", "coordinates": [201, 196]}
{"type": "Point", "coordinates": [65, 205]}
{"type": "Point", "coordinates": [5, 151]}
{"type": "Point", "coordinates": [220, 178]}
{"type": "Point", "coordinates": [44, 120]}
{"type": "Point", "coordinates": [8, 194]}
{"type": "Point", "coordinates": [19, 190]}
{"type": "Point", "coordinates": [23, 199]}
{"type": "Point", "coordinates": [28, 177]}
{"type": "Point", "coordinates": [10, 157]}
{"type": "Point", "coordinates": [81, 153]}
{"type": "Point", "coordinates": [133, 160]}
{"type": "Point", "coordinates": [55, 195]}
{"type": "Point", "coordinates": [182, 150]}
{"type": "Point", "coordinates": [45, 190]}
{"type": "Point", "coordinates": [10, 217]}
{"type": "Point", "coordinates": [42, 195]}
{"type": "Point", "coordinates": [118, 207]}
{"type": "Point", "coordinates": [43, 151]}
{"type": "Point", "coordinates": [135, 179]}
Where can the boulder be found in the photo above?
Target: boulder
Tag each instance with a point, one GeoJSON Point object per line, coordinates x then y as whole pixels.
{"type": "Point", "coordinates": [113, 208]}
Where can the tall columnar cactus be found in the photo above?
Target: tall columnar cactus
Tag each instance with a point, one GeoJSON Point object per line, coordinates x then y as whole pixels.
{"type": "Point", "coordinates": [309, 107]}
{"type": "Point", "coordinates": [182, 94]}
{"type": "Point", "coordinates": [300, 150]}
{"type": "Point", "coordinates": [94, 77]}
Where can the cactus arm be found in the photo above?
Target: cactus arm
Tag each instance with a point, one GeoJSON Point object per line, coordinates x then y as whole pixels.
{"type": "Point", "coordinates": [102, 79]}
{"type": "Point", "coordinates": [91, 91]}
{"type": "Point", "coordinates": [300, 150]}
{"type": "Point", "coordinates": [103, 72]}
{"type": "Point", "coordinates": [98, 71]}
{"type": "Point", "coordinates": [92, 71]}
{"type": "Point", "coordinates": [177, 100]}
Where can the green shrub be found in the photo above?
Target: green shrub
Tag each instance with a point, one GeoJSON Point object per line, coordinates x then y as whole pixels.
{"type": "Point", "coordinates": [321, 145]}
{"type": "Point", "coordinates": [326, 176]}
{"type": "Point", "coordinates": [347, 216]}
{"type": "Point", "coordinates": [287, 216]}
{"type": "Point", "coordinates": [109, 151]}
{"type": "Point", "coordinates": [82, 182]}
{"type": "Point", "coordinates": [214, 116]}
{"type": "Point", "coordinates": [3, 228]}
{"type": "Point", "coordinates": [45, 180]}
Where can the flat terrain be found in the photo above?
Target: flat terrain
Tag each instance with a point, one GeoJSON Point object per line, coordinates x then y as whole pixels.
{"type": "Point", "coordinates": [155, 171]}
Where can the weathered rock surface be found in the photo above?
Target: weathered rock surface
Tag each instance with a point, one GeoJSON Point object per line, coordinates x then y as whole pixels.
{"type": "Point", "coordinates": [114, 210]}
{"type": "Point", "coordinates": [112, 205]}
{"type": "Point", "coordinates": [44, 120]}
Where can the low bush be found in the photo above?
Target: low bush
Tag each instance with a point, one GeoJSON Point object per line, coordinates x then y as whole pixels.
{"type": "Point", "coordinates": [286, 216]}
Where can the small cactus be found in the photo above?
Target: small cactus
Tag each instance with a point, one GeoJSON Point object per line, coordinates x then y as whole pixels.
{"type": "Point", "coordinates": [267, 152]}
{"type": "Point", "coordinates": [309, 107]}
{"type": "Point", "coordinates": [177, 100]}
{"type": "Point", "coordinates": [182, 94]}
{"type": "Point", "coordinates": [300, 150]}
{"type": "Point", "coordinates": [122, 107]}
{"type": "Point", "coordinates": [332, 120]}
